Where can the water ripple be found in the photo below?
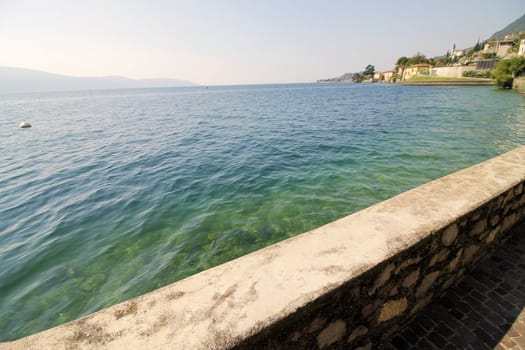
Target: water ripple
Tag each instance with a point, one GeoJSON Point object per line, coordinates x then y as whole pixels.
{"type": "Point", "coordinates": [114, 193]}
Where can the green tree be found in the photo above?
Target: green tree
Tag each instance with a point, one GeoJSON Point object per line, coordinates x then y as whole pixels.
{"type": "Point", "coordinates": [477, 47]}
{"type": "Point", "coordinates": [402, 61]}
{"type": "Point", "coordinates": [502, 76]}
{"type": "Point", "coordinates": [417, 59]}
{"type": "Point", "coordinates": [517, 66]}
{"type": "Point", "coordinates": [515, 45]}
{"type": "Point", "coordinates": [369, 70]}
{"type": "Point", "coordinates": [395, 77]}
{"type": "Point", "coordinates": [358, 77]}
{"type": "Point", "coordinates": [507, 70]}
{"type": "Point", "coordinates": [439, 61]}
{"type": "Point", "coordinates": [480, 45]}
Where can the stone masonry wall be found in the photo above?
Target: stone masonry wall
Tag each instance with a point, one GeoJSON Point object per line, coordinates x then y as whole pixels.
{"type": "Point", "coordinates": [368, 309]}
{"type": "Point", "coordinates": [519, 84]}
{"type": "Point", "coordinates": [450, 72]}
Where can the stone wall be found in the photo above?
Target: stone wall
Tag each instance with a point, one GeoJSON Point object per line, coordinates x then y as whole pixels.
{"type": "Point", "coordinates": [519, 84]}
{"type": "Point", "coordinates": [378, 303]}
{"type": "Point", "coordinates": [349, 284]}
{"type": "Point", "coordinates": [450, 72]}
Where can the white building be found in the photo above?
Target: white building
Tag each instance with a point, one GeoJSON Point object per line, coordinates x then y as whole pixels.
{"type": "Point", "coordinates": [498, 47]}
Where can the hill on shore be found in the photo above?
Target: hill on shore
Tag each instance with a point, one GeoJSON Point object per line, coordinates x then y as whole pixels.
{"type": "Point", "coordinates": [342, 78]}
{"type": "Point", "coordinates": [29, 80]}
{"type": "Point", "coordinates": [514, 27]}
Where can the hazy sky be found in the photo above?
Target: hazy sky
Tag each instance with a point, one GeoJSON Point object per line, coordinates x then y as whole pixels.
{"type": "Point", "coordinates": [231, 42]}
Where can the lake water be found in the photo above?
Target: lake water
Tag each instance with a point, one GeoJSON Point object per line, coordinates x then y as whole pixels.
{"type": "Point", "coordinates": [112, 194]}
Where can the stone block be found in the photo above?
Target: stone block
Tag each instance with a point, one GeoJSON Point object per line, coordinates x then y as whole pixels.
{"type": "Point", "coordinates": [421, 304]}
{"type": "Point", "coordinates": [479, 227]}
{"type": "Point", "coordinates": [411, 279]}
{"type": "Point", "coordinates": [392, 308]}
{"type": "Point", "coordinates": [461, 272]}
{"type": "Point", "coordinates": [394, 291]}
{"type": "Point", "coordinates": [450, 234]}
{"type": "Point", "coordinates": [508, 222]}
{"type": "Point", "coordinates": [316, 324]}
{"type": "Point", "coordinates": [296, 336]}
{"type": "Point", "coordinates": [369, 309]}
{"type": "Point", "coordinates": [408, 262]}
{"type": "Point", "coordinates": [508, 197]}
{"type": "Point", "coordinates": [439, 257]}
{"type": "Point", "coordinates": [519, 189]}
{"type": "Point", "coordinates": [476, 215]}
{"type": "Point", "coordinates": [356, 333]}
{"type": "Point", "coordinates": [426, 284]}
{"type": "Point", "coordinates": [494, 220]}
{"type": "Point", "coordinates": [331, 334]}
{"type": "Point", "coordinates": [508, 208]}
{"type": "Point", "coordinates": [448, 283]}
{"type": "Point", "coordinates": [455, 262]}
{"type": "Point", "coordinates": [470, 251]}
{"type": "Point", "coordinates": [498, 202]}
{"type": "Point", "coordinates": [492, 235]}
{"type": "Point", "coordinates": [383, 278]}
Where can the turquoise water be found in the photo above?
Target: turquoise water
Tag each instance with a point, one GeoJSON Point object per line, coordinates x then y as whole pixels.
{"type": "Point", "coordinates": [114, 193]}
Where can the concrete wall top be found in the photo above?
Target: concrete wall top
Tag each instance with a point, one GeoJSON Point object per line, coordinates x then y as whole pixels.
{"type": "Point", "coordinates": [221, 306]}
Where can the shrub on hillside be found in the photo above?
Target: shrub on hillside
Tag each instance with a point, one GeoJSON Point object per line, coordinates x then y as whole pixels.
{"type": "Point", "coordinates": [477, 74]}
{"type": "Point", "coordinates": [507, 70]}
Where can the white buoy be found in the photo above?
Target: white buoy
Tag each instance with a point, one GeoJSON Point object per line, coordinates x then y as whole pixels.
{"type": "Point", "coordinates": [25, 124]}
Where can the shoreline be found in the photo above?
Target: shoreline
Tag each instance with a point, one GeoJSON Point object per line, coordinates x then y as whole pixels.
{"type": "Point", "coordinates": [432, 81]}
{"type": "Point", "coordinates": [447, 83]}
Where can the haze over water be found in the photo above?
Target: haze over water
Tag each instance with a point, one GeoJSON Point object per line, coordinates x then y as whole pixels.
{"type": "Point", "coordinates": [112, 194]}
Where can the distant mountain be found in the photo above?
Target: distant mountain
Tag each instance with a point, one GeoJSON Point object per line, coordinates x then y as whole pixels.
{"type": "Point", "coordinates": [28, 80]}
{"type": "Point", "coordinates": [515, 27]}
{"type": "Point", "coordinates": [343, 78]}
